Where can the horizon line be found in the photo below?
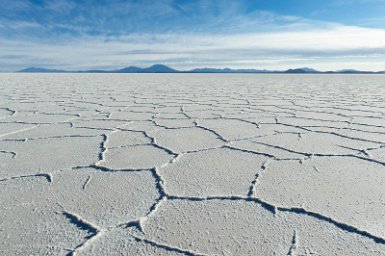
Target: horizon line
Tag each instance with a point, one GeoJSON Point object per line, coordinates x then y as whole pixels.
{"type": "Point", "coordinates": [162, 68]}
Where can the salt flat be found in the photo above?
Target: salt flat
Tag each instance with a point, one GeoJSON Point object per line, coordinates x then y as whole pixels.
{"type": "Point", "coordinates": [184, 164]}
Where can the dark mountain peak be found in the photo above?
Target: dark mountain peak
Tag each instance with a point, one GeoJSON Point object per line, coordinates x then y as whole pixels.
{"type": "Point", "coordinates": [131, 69]}
{"type": "Point", "coordinates": [353, 71]}
{"type": "Point", "coordinates": [159, 68]}
{"type": "Point", "coordinates": [41, 70]}
{"type": "Point", "coordinates": [301, 71]}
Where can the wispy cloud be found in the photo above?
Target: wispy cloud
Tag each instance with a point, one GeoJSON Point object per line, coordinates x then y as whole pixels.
{"type": "Point", "coordinates": [273, 49]}
{"type": "Point", "coordinates": [183, 34]}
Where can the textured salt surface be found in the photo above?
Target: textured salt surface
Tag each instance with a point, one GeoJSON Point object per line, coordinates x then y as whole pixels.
{"type": "Point", "coordinates": [116, 164]}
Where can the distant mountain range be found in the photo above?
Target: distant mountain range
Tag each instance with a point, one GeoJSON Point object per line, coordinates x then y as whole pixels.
{"type": "Point", "coordinates": [159, 68]}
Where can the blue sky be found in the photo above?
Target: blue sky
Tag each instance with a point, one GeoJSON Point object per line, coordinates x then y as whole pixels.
{"type": "Point", "coordinates": [271, 34]}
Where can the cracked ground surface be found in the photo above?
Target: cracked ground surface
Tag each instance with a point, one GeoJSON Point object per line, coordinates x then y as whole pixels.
{"type": "Point", "coordinates": [192, 164]}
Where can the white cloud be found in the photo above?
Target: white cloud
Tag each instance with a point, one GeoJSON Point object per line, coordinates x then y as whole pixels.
{"type": "Point", "coordinates": [353, 46]}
